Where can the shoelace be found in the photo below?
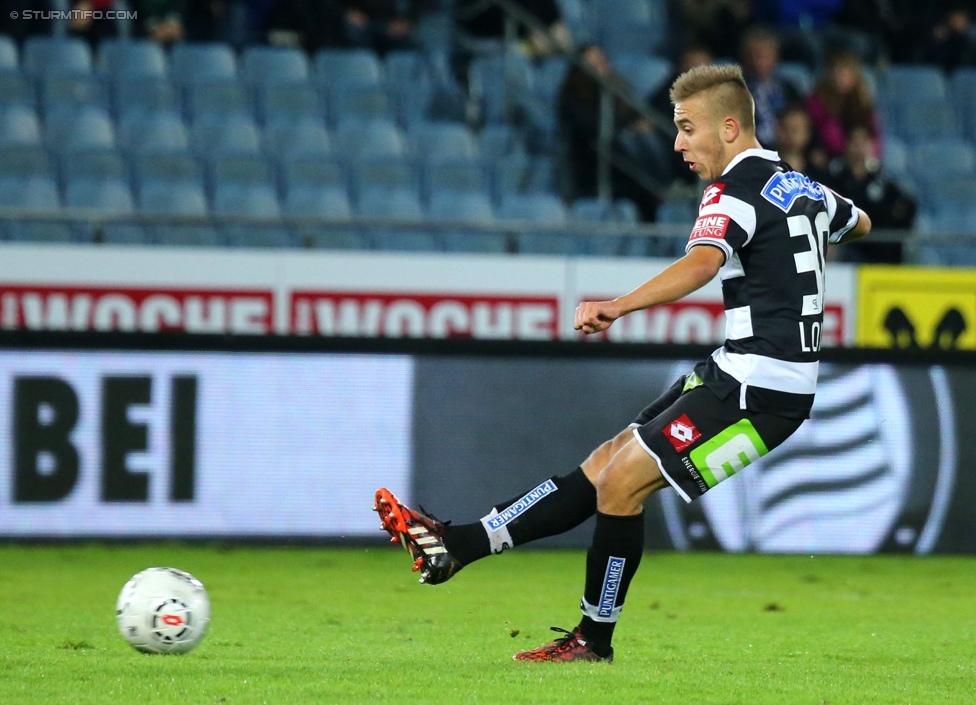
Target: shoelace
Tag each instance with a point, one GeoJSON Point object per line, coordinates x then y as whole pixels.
{"type": "Point", "coordinates": [430, 516]}
{"type": "Point", "coordinates": [563, 642]}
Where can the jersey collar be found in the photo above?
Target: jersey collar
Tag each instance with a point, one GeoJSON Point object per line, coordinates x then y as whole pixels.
{"type": "Point", "coordinates": [753, 152]}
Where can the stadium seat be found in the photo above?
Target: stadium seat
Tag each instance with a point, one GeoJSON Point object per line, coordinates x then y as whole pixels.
{"type": "Point", "coordinates": [16, 89]}
{"type": "Point", "coordinates": [225, 96]}
{"type": "Point", "coordinates": [913, 83]}
{"type": "Point", "coordinates": [284, 137]}
{"type": "Point", "coordinates": [623, 36]}
{"type": "Point", "coordinates": [108, 197]}
{"type": "Point", "coordinates": [537, 208]}
{"type": "Point", "coordinates": [458, 175]}
{"type": "Point", "coordinates": [19, 126]}
{"type": "Point", "coordinates": [190, 63]}
{"type": "Point", "coordinates": [255, 200]}
{"type": "Point", "coordinates": [231, 134]}
{"type": "Point", "coordinates": [63, 91]}
{"type": "Point", "coordinates": [921, 121]}
{"type": "Point", "coordinates": [94, 165]}
{"type": "Point", "coordinates": [146, 96]}
{"type": "Point", "coordinates": [942, 157]}
{"type": "Point", "coordinates": [499, 140]}
{"type": "Point", "coordinates": [503, 84]}
{"type": "Point", "coordinates": [263, 64]}
{"type": "Point", "coordinates": [522, 175]}
{"type": "Point", "coordinates": [288, 101]}
{"type": "Point", "coordinates": [945, 254]}
{"type": "Point", "coordinates": [129, 58]}
{"type": "Point", "coordinates": [240, 170]}
{"type": "Point", "coordinates": [386, 174]}
{"type": "Point", "coordinates": [347, 66]}
{"type": "Point", "coordinates": [25, 162]}
{"type": "Point", "coordinates": [9, 58]}
{"type": "Point", "coordinates": [71, 130]}
{"type": "Point", "coordinates": [475, 208]}
{"type": "Point", "coordinates": [443, 139]}
{"type": "Point", "coordinates": [406, 68]}
{"type": "Point", "coordinates": [396, 206]}
{"type": "Point", "coordinates": [305, 201]}
{"type": "Point", "coordinates": [549, 78]}
{"type": "Point", "coordinates": [645, 73]}
{"type": "Point", "coordinates": [173, 198]}
{"type": "Point", "coordinates": [590, 210]}
{"type": "Point", "coordinates": [167, 168]}
{"type": "Point", "coordinates": [374, 138]}
{"type": "Point", "coordinates": [48, 54]}
{"type": "Point", "coordinates": [313, 171]}
{"type": "Point", "coordinates": [159, 132]}
{"type": "Point", "coordinates": [360, 103]}
{"type": "Point", "coordinates": [895, 158]}
{"type": "Point", "coordinates": [37, 194]}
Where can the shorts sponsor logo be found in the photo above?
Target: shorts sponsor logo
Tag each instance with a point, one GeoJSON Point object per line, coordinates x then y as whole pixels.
{"type": "Point", "coordinates": [681, 433]}
{"type": "Point", "coordinates": [731, 450]}
{"type": "Point", "coordinates": [783, 189]}
{"type": "Point", "coordinates": [710, 226]}
{"type": "Point", "coordinates": [520, 506]}
{"type": "Point", "coordinates": [712, 195]}
{"type": "Point", "coordinates": [611, 587]}
{"type": "Point", "coordinates": [695, 475]}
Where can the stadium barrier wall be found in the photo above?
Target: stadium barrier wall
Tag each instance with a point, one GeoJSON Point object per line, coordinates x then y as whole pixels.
{"type": "Point", "coordinates": [162, 435]}
{"type": "Point", "coordinates": [356, 294]}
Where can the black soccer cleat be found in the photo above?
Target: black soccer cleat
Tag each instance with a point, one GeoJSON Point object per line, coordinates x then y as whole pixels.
{"type": "Point", "coordinates": [421, 536]}
{"type": "Point", "coordinates": [569, 647]}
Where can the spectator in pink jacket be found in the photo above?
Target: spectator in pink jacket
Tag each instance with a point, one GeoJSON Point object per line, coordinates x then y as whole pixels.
{"type": "Point", "coordinates": [841, 102]}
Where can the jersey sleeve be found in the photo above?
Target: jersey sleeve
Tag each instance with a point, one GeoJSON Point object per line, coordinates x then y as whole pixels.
{"type": "Point", "coordinates": [842, 213]}
{"type": "Point", "coordinates": [724, 221]}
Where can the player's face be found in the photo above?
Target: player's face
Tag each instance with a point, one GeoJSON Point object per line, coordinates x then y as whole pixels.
{"type": "Point", "coordinates": [698, 138]}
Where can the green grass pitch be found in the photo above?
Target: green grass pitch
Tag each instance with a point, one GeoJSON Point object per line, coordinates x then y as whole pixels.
{"type": "Point", "coordinates": [352, 625]}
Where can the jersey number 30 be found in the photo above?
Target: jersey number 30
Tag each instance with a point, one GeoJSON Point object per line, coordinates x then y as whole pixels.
{"type": "Point", "coordinates": [811, 260]}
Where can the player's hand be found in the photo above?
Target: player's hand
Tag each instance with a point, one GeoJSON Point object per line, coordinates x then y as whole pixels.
{"type": "Point", "coordinates": [596, 316]}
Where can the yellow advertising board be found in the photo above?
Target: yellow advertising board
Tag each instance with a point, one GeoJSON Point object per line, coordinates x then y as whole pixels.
{"type": "Point", "coordinates": [916, 308]}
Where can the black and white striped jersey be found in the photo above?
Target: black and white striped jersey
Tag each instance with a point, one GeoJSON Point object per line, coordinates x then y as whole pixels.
{"type": "Point", "coordinates": [773, 224]}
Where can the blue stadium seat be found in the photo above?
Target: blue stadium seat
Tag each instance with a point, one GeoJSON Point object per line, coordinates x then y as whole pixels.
{"type": "Point", "coordinates": [168, 168]}
{"type": "Point", "coordinates": [591, 210]}
{"type": "Point", "coordinates": [16, 89]}
{"type": "Point", "coordinates": [360, 103]}
{"type": "Point", "coordinates": [645, 73]}
{"type": "Point", "coordinates": [475, 208]}
{"type": "Point", "coordinates": [73, 92]}
{"type": "Point", "coordinates": [920, 121]}
{"type": "Point", "coordinates": [225, 96]}
{"type": "Point", "coordinates": [49, 54]}
{"type": "Point", "coordinates": [386, 174]}
{"type": "Point", "coordinates": [284, 138]}
{"type": "Point", "coordinates": [374, 138]}
{"type": "Point", "coordinates": [638, 37]}
{"type": "Point", "coordinates": [202, 62]}
{"type": "Point", "coordinates": [158, 132]}
{"type": "Point", "coordinates": [458, 175]}
{"type": "Point", "coordinates": [109, 197]}
{"type": "Point", "coordinates": [549, 77]}
{"type": "Point", "coordinates": [320, 202]}
{"type": "Point", "coordinates": [895, 158]}
{"type": "Point", "coordinates": [503, 83]}
{"type": "Point", "coordinates": [173, 198]}
{"type": "Point", "coordinates": [301, 170]}
{"type": "Point", "coordinates": [9, 58]}
{"type": "Point", "coordinates": [131, 58]}
{"type": "Point", "coordinates": [347, 66]}
{"type": "Point", "coordinates": [913, 83]}
{"type": "Point", "coordinates": [499, 140]}
{"type": "Point", "coordinates": [25, 162]}
{"type": "Point", "coordinates": [963, 83]}
{"type": "Point", "coordinates": [263, 64]}
{"type": "Point", "coordinates": [289, 101]}
{"type": "Point", "coordinates": [19, 126]}
{"type": "Point", "coordinates": [443, 139]}
{"type": "Point", "coordinates": [956, 254]}
{"type": "Point", "coordinates": [523, 176]}
{"type": "Point", "coordinates": [231, 134]}
{"type": "Point", "coordinates": [95, 165]}
{"type": "Point", "coordinates": [943, 157]}
{"type": "Point", "coordinates": [255, 200]}
{"type": "Point", "coordinates": [406, 68]}
{"type": "Point", "coordinates": [145, 96]}
{"type": "Point", "coordinates": [37, 194]}
{"type": "Point", "coordinates": [400, 206]}
{"type": "Point", "coordinates": [539, 209]}
{"type": "Point", "coordinates": [240, 170]}
{"type": "Point", "coordinates": [70, 130]}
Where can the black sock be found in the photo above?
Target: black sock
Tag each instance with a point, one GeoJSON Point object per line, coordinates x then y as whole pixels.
{"type": "Point", "coordinates": [555, 506]}
{"type": "Point", "coordinates": [613, 558]}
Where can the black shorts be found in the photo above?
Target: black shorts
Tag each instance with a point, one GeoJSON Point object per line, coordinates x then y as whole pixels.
{"type": "Point", "coordinates": [698, 439]}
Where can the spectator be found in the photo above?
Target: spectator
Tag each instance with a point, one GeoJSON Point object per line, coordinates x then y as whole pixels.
{"type": "Point", "coordinates": [772, 93]}
{"type": "Point", "coordinates": [162, 20]}
{"type": "Point", "coordinates": [718, 24]}
{"type": "Point", "coordinates": [794, 137]}
{"type": "Point", "coordinates": [893, 23]}
{"type": "Point", "coordinates": [83, 23]}
{"type": "Point", "coordinates": [858, 176]}
{"type": "Point", "coordinates": [950, 41]}
{"type": "Point", "coordinates": [694, 54]}
{"type": "Point", "coordinates": [383, 25]}
{"type": "Point", "coordinates": [841, 102]}
{"type": "Point", "coordinates": [635, 143]}
{"type": "Point", "coordinates": [487, 21]}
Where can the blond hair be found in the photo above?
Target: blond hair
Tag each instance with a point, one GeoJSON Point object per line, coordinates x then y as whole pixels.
{"type": "Point", "coordinates": [727, 91]}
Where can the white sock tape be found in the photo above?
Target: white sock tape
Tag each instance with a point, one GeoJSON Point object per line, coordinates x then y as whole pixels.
{"type": "Point", "coordinates": [499, 538]}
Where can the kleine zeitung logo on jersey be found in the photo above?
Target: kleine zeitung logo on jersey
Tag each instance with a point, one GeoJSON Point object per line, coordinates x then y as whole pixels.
{"type": "Point", "coordinates": [710, 226]}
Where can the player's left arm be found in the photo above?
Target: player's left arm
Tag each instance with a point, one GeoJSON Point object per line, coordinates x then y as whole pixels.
{"type": "Point", "coordinates": [860, 229]}
{"type": "Point", "coordinates": [688, 274]}
{"type": "Point", "coordinates": [847, 222]}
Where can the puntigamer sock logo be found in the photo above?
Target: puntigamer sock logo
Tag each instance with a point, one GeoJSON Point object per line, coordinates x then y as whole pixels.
{"type": "Point", "coordinates": [611, 587]}
{"type": "Point", "coordinates": [724, 455]}
{"type": "Point", "coordinates": [533, 496]}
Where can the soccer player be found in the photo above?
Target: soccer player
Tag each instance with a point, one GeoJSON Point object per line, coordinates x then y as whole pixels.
{"type": "Point", "coordinates": [764, 229]}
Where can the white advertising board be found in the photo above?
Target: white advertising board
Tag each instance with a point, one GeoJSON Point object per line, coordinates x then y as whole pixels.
{"type": "Point", "coordinates": [355, 294]}
{"type": "Point", "coordinates": [209, 444]}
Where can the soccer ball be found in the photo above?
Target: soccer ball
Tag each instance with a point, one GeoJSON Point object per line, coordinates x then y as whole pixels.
{"type": "Point", "coordinates": [163, 611]}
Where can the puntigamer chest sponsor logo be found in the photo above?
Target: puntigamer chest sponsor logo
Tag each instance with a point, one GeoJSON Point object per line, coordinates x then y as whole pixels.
{"type": "Point", "coordinates": [783, 189]}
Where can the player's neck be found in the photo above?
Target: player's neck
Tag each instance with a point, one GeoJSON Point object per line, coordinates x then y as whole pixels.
{"type": "Point", "coordinates": [736, 148]}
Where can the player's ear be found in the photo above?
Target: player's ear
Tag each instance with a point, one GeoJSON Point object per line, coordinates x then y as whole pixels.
{"type": "Point", "coordinates": [730, 129]}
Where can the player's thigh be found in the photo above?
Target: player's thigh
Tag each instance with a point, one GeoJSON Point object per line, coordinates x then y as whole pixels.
{"type": "Point", "coordinates": [701, 440]}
